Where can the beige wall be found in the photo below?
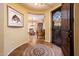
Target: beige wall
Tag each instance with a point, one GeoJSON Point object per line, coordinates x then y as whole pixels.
{"type": "Point", "coordinates": [14, 37]}
{"type": "Point", "coordinates": [1, 29]}
{"type": "Point", "coordinates": [76, 30]}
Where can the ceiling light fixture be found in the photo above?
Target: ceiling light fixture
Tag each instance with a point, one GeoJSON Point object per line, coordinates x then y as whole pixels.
{"type": "Point", "coordinates": [40, 4]}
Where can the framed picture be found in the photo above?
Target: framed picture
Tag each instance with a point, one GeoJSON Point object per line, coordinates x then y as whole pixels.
{"type": "Point", "coordinates": [15, 18]}
{"type": "Point", "coordinates": [40, 26]}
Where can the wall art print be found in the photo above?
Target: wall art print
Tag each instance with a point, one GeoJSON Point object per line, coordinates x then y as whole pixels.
{"type": "Point", "coordinates": [15, 18]}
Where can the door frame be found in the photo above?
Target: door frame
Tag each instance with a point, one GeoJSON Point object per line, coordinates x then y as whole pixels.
{"type": "Point", "coordinates": [72, 29]}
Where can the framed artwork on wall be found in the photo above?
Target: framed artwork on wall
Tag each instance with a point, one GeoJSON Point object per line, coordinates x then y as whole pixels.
{"type": "Point", "coordinates": [15, 18]}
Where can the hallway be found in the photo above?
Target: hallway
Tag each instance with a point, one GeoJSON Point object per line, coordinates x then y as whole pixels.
{"type": "Point", "coordinates": [38, 29]}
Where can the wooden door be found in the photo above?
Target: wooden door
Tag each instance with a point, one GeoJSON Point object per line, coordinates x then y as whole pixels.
{"type": "Point", "coordinates": [66, 31]}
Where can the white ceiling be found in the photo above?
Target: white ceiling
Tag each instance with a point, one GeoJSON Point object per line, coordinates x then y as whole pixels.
{"type": "Point", "coordinates": [39, 6]}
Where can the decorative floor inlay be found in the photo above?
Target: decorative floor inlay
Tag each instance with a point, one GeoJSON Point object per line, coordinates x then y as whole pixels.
{"type": "Point", "coordinates": [38, 50]}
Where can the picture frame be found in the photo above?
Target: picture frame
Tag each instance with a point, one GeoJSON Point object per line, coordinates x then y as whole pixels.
{"type": "Point", "coordinates": [15, 18]}
{"type": "Point", "coordinates": [39, 26]}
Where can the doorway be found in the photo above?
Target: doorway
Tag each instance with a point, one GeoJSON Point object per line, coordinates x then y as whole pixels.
{"type": "Point", "coordinates": [63, 27]}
